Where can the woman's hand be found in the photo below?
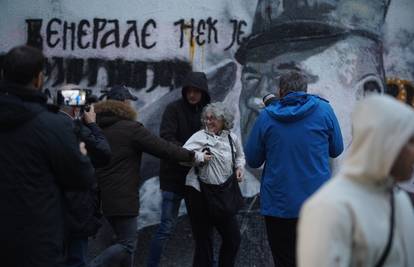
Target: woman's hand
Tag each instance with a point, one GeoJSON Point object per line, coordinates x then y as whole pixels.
{"type": "Point", "coordinates": [207, 156]}
{"type": "Point", "coordinates": [202, 157]}
{"type": "Point", "coordinates": [239, 174]}
{"type": "Point", "coordinates": [82, 148]}
{"type": "Point", "coordinates": [89, 116]}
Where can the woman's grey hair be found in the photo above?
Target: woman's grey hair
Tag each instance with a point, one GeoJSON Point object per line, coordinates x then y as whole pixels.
{"type": "Point", "coordinates": [220, 111]}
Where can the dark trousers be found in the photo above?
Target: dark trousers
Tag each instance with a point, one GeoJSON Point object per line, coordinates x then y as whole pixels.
{"type": "Point", "coordinates": [122, 252]}
{"type": "Point", "coordinates": [202, 227]}
{"type": "Point", "coordinates": [281, 235]}
{"type": "Point", "coordinates": [76, 253]}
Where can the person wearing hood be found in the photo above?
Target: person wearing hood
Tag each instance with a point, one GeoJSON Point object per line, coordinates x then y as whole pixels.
{"type": "Point", "coordinates": [40, 157]}
{"type": "Point", "coordinates": [119, 180]}
{"type": "Point", "coordinates": [359, 218]}
{"type": "Point", "coordinates": [180, 120]}
{"type": "Point", "coordinates": [295, 137]}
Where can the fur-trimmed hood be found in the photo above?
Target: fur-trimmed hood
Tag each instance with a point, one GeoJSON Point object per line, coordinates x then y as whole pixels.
{"type": "Point", "coordinates": [110, 111]}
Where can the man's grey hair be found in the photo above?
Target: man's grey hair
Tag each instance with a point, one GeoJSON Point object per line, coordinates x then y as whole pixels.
{"type": "Point", "coordinates": [292, 81]}
{"type": "Point", "coordinates": [220, 111]}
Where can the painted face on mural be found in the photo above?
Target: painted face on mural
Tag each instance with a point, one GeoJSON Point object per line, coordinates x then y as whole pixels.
{"type": "Point", "coordinates": [341, 73]}
{"type": "Point", "coordinates": [336, 44]}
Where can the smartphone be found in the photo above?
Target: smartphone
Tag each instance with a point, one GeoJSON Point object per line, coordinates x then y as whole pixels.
{"type": "Point", "coordinates": [75, 97]}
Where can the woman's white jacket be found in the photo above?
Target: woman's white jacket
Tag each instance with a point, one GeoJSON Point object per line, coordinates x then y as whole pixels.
{"type": "Point", "coordinates": [219, 168]}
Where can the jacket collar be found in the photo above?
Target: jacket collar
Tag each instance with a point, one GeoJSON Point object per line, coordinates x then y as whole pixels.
{"type": "Point", "coordinates": [24, 93]}
{"type": "Point", "coordinates": [110, 111]}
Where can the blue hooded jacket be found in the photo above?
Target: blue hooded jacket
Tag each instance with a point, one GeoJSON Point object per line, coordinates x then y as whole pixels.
{"type": "Point", "coordinates": [294, 137]}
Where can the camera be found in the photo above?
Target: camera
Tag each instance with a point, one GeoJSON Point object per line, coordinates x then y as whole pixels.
{"type": "Point", "coordinates": [73, 97]}
{"type": "Point", "coordinates": [76, 97]}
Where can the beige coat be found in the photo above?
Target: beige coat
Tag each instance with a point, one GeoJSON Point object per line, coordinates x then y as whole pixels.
{"type": "Point", "coordinates": [347, 222]}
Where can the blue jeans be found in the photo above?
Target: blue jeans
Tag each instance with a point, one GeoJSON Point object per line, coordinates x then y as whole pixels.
{"type": "Point", "coordinates": [169, 213]}
{"type": "Point", "coordinates": [76, 252]}
{"type": "Point", "coordinates": [122, 252]}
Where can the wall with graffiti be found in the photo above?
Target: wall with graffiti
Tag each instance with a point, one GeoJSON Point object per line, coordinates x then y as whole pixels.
{"type": "Point", "coordinates": [347, 48]}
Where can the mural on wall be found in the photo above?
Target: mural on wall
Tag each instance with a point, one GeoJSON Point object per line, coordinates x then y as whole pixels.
{"type": "Point", "coordinates": [345, 47]}
{"type": "Point", "coordinates": [337, 44]}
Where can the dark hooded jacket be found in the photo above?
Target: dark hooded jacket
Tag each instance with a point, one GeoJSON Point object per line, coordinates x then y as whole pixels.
{"type": "Point", "coordinates": [119, 180]}
{"type": "Point", "coordinates": [82, 210]}
{"type": "Point", "coordinates": [179, 122]}
{"type": "Point", "coordinates": [39, 157]}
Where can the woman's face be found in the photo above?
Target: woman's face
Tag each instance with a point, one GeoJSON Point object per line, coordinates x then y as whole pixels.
{"type": "Point", "coordinates": [213, 124]}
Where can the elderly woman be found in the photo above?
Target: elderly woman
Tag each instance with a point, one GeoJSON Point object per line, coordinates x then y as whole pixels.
{"type": "Point", "coordinates": [226, 163]}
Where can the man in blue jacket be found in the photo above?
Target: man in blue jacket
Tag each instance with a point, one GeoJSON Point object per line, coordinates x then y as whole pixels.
{"type": "Point", "coordinates": [295, 136]}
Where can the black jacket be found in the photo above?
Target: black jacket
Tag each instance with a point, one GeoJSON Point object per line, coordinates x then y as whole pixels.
{"type": "Point", "coordinates": [119, 180]}
{"type": "Point", "coordinates": [82, 211]}
{"type": "Point", "coordinates": [39, 157]}
{"type": "Point", "coordinates": [180, 121]}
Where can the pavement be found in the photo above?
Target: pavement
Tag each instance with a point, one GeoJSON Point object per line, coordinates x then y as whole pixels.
{"type": "Point", "coordinates": [254, 250]}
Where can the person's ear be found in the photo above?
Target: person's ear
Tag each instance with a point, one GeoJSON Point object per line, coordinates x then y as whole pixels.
{"type": "Point", "coordinates": [38, 81]}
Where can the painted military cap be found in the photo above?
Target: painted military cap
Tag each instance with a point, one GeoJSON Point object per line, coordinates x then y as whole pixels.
{"type": "Point", "coordinates": [295, 25]}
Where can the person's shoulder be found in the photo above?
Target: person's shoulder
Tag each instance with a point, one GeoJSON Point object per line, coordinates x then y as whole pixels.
{"type": "Point", "coordinates": [402, 197]}
{"type": "Point", "coordinates": [53, 124]}
{"type": "Point", "coordinates": [175, 104]}
{"type": "Point", "coordinates": [335, 190]}
{"type": "Point", "coordinates": [323, 102]}
{"type": "Point", "coordinates": [199, 136]}
{"type": "Point", "coordinates": [201, 132]}
{"type": "Point", "coordinates": [130, 124]}
{"type": "Point", "coordinates": [320, 98]}
{"type": "Point", "coordinates": [173, 107]}
{"type": "Point", "coordinates": [52, 118]}
{"type": "Point", "coordinates": [324, 106]}
{"type": "Point", "coordinates": [233, 136]}
{"type": "Point", "coordinates": [264, 114]}
{"type": "Point", "coordinates": [129, 129]}
{"type": "Point", "coordinates": [329, 203]}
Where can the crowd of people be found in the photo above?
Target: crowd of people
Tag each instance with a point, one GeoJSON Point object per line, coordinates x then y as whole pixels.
{"type": "Point", "coordinates": [66, 168]}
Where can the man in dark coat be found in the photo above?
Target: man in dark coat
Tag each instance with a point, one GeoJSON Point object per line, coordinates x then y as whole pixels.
{"type": "Point", "coordinates": [82, 211]}
{"type": "Point", "coordinates": [39, 157]}
{"type": "Point", "coordinates": [119, 180]}
{"type": "Point", "coordinates": [181, 119]}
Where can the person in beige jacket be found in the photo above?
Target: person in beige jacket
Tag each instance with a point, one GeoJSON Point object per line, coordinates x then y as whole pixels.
{"type": "Point", "coordinates": [348, 221]}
